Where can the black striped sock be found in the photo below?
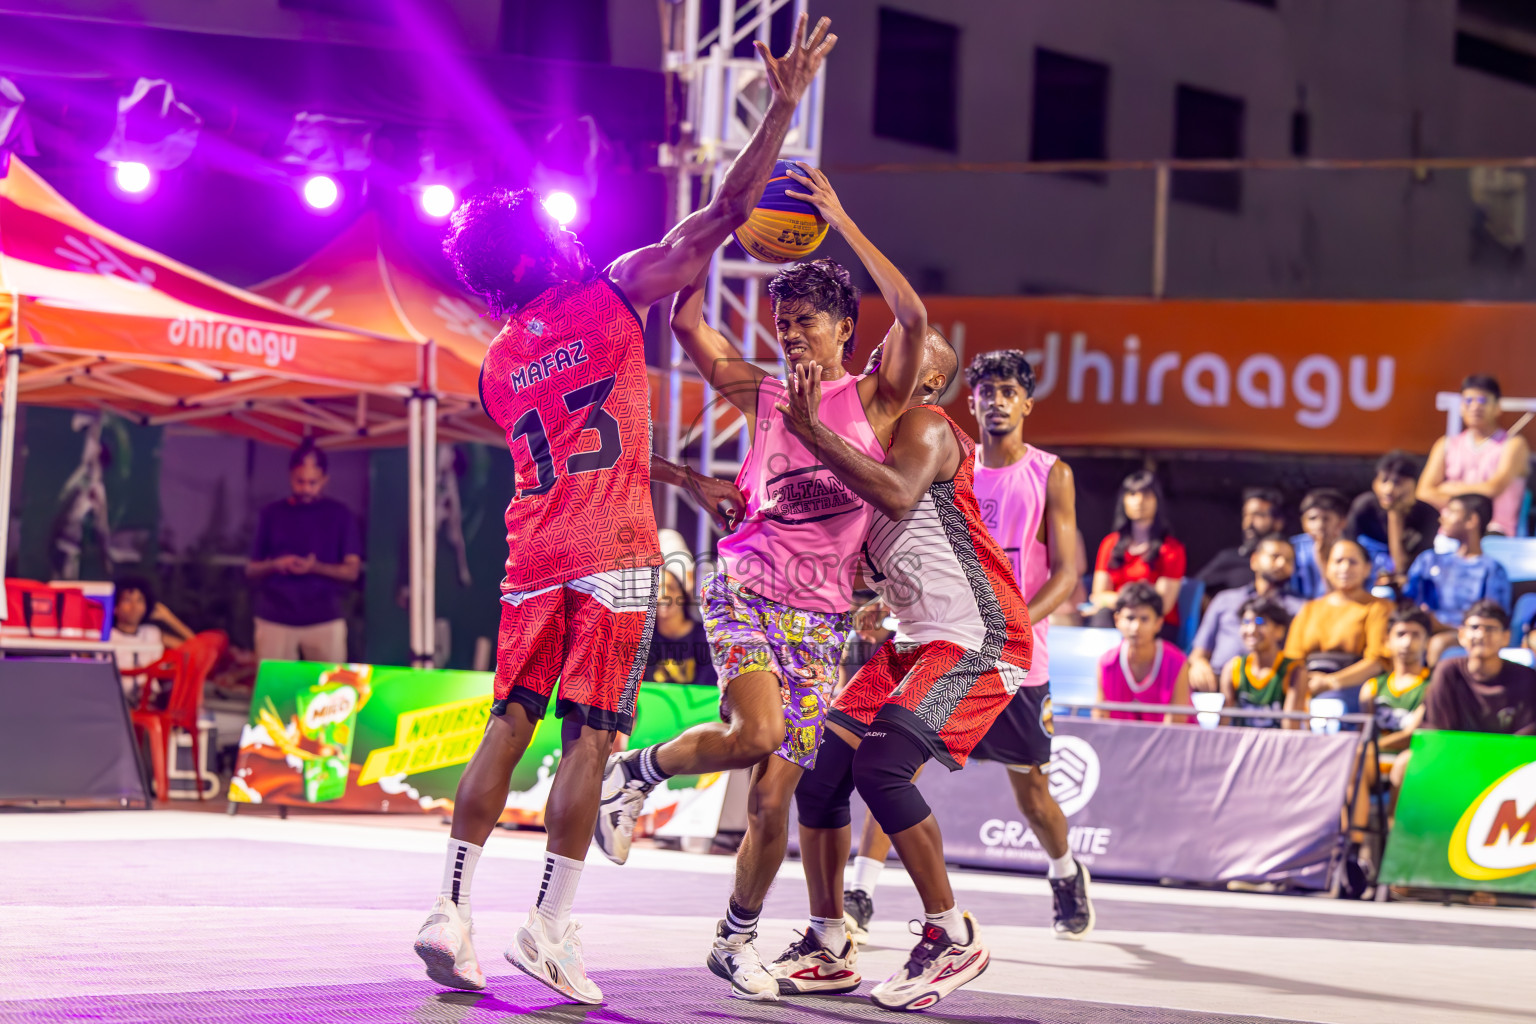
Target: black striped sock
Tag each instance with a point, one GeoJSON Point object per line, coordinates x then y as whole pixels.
{"type": "Point", "coordinates": [644, 767]}
{"type": "Point", "coordinates": [739, 920]}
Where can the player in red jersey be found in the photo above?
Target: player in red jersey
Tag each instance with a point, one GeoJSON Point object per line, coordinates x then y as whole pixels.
{"type": "Point", "coordinates": [566, 380]}
{"type": "Point", "coordinates": [962, 649]}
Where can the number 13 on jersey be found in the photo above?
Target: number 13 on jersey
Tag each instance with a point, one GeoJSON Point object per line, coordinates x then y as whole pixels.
{"type": "Point", "coordinates": [531, 428]}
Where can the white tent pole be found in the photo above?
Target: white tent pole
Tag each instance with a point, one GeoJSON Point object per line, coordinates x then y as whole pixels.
{"type": "Point", "coordinates": [8, 450]}
{"type": "Point", "coordinates": [429, 526]}
{"type": "Point", "coordinates": [413, 476]}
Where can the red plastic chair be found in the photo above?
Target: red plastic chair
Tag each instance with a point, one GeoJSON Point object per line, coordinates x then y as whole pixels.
{"type": "Point", "coordinates": [186, 668]}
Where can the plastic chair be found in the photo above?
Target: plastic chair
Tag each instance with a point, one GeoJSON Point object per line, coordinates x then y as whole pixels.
{"type": "Point", "coordinates": [1520, 618]}
{"type": "Point", "coordinates": [1516, 554]}
{"type": "Point", "coordinates": [1075, 653]}
{"type": "Point", "coordinates": [1191, 593]}
{"type": "Point", "coordinates": [186, 668]}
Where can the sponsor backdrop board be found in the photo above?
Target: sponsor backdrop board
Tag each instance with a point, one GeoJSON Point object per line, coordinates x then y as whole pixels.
{"type": "Point", "coordinates": [1466, 818]}
{"type": "Point", "coordinates": [1154, 801]}
{"type": "Point", "coordinates": [382, 738]}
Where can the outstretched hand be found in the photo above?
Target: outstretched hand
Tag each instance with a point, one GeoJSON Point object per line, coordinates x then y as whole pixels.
{"type": "Point", "coordinates": [790, 75]}
{"type": "Point", "coordinates": [722, 499]}
{"type": "Point", "coordinates": [803, 403]}
{"type": "Point", "coordinates": [817, 191]}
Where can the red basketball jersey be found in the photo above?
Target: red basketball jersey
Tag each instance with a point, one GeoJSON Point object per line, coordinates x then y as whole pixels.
{"type": "Point", "coordinates": [566, 380]}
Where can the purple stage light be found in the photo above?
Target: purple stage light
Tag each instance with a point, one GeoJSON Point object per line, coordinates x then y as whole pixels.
{"type": "Point", "coordinates": [321, 192]}
{"type": "Point", "coordinates": [131, 177]}
{"type": "Point", "coordinates": [438, 201]}
{"type": "Point", "coordinates": [561, 206]}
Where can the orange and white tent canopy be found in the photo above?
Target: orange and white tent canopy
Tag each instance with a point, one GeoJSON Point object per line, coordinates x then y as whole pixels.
{"type": "Point", "coordinates": [102, 321]}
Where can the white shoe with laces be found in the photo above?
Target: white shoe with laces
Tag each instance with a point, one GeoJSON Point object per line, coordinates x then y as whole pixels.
{"type": "Point", "coordinates": [936, 967]}
{"type": "Point", "coordinates": [559, 964]}
{"type": "Point", "coordinates": [808, 965]}
{"type": "Point", "coordinates": [734, 958]}
{"type": "Point", "coordinates": [622, 800]}
{"type": "Point", "coordinates": [445, 944]}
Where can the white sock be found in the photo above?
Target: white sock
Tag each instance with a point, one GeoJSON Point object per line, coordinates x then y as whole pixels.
{"type": "Point", "coordinates": [953, 923]}
{"type": "Point", "coordinates": [1061, 867]}
{"type": "Point", "coordinates": [458, 871]}
{"type": "Point", "coordinates": [831, 932]}
{"type": "Point", "coordinates": [866, 872]}
{"type": "Point", "coordinates": [557, 893]}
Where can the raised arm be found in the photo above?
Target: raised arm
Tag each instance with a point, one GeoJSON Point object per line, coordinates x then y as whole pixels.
{"type": "Point", "coordinates": [1060, 540]}
{"type": "Point", "coordinates": [902, 359]}
{"type": "Point", "coordinates": [649, 274]}
{"type": "Point", "coordinates": [923, 449]}
{"type": "Point", "coordinates": [712, 354]}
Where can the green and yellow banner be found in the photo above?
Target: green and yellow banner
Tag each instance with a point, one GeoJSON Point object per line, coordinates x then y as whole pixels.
{"type": "Point", "coordinates": [1466, 818]}
{"type": "Point", "coordinates": [382, 738]}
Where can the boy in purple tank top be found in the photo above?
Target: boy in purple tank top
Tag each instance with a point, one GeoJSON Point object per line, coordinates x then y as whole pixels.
{"type": "Point", "coordinates": [779, 609]}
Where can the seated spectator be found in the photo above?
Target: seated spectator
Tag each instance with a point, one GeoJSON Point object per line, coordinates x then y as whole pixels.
{"type": "Point", "coordinates": [1219, 638]}
{"type": "Point", "coordinates": [1446, 584]}
{"type": "Point", "coordinates": [1396, 697]}
{"type": "Point", "coordinates": [1142, 667]}
{"type": "Point", "coordinates": [142, 628]}
{"type": "Point", "coordinates": [1391, 524]}
{"type": "Point", "coordinates": [1141, 549]}
{"type": "Point", "coordinates": [1341, 636]}
{"type": "Point", "coordinates": [1263, 677]}
{"type": "Point", "coordinates": [1483, 459]}
{"type": "Point", "coordinates": [1231, 568]}
{"type": "Point", "coordinates": [1482, 692]}
{"type": "Point", "coordinates": [1322, 522]}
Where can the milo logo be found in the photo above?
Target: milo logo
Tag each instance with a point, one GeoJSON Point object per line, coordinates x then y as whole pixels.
{"type": "Point", "coordinates": [1496, 836]}
{"type": "Point", "coordinates": [329, 708]}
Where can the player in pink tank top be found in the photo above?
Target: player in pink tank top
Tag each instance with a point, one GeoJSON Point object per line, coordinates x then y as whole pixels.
{"type": "Point", "coordinates": [778, 610]}
{"type": "Point", "coordinates": [1481, 459]}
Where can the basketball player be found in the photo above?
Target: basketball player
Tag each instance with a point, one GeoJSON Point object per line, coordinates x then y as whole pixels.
{"type": "Point", "coordinates": [960, 652]}
{"type": "Point", "coordinates": [779, 610]}
{"type": "Point", "coordinates": [1029, 503]}
{"type": "Point", "coordinates": [566, 380]}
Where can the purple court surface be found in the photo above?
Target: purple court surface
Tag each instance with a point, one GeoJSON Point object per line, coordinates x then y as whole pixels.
{"type": "Point", "coordinates": [181, 916]}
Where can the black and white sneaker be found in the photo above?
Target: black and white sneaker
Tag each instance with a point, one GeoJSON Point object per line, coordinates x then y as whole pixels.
{"type": "Point", "coordinates": [734, 958]}
{"type": "Point", "coordinates": [809, 966]}
{"type": "Point", "coordinates": [1073, 910]}
{"type": "Point", "coordinates": [858, 909]}
{"type": "Point", "coordinates": [622, 800]}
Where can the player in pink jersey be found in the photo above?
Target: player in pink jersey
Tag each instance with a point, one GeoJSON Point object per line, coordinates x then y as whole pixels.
{"type": "Point", "coordinates": [566, 381]}
{"type": "Point", "coordinates": [778, 611]}
{"type": "Point", "coordinates": [1028, 501]}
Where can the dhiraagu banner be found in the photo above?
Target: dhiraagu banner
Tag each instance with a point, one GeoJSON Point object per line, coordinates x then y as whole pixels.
{"type": "Point", "coordinates": [1466, 818]}
{"type": "Point", "coordinates": [382, 738]}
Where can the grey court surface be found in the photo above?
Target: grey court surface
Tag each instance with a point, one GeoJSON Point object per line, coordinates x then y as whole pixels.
{"type": "Point", "coordinates": [177, 916]}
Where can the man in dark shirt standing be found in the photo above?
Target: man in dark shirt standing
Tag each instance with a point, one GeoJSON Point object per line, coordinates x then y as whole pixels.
{"type": "Point", "coordinates": [1230, 567]}
{"type": "Point", "coordinates": [305, 552]}
{"type": "Point", "coordinates": [1391, 524]}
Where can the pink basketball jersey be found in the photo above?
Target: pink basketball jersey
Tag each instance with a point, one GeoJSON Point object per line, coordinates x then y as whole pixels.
{"type": "Point", "coordinates": [1118, 687]}
{"type": "Point", "coordinates": [1468, 461]}
{"type": "Point", "coordinates": [800, 539]}
{"type": "Point", "coordinates": [1012, 500]}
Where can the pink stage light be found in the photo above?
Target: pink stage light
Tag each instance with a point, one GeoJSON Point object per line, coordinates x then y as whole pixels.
{"type": "Point", "coordinates": [438, 201]}
{"type": "Point", "coordinates": [131, 177]}
{"type": "Point", "coordinates": [561, 206]}
{"type": "Point", "coordinates": [321, 192]}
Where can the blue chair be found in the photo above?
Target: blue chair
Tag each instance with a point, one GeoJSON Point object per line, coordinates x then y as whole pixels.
{"type": "Point", "coordinates": [1075, 653]}
{"type": "Point", "coordinates": [1191, 592]}
{"type": "Point", "coordinates": [1520, 618]}
{"type": "Point", "coordinates": [1516, 554]}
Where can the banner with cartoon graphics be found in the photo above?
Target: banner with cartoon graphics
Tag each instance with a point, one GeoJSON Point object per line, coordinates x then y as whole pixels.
{"type": "Point", "coordinates": [1466, 817]}
{"type": "Point", "coordinates": [382, 738]}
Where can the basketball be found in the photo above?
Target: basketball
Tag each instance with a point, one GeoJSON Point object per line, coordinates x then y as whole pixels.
{"type": "Point", "coordinates": [781, 229]}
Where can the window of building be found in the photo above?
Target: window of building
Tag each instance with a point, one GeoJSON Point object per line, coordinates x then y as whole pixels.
{"type": "Point", "coordinates": [1071, 109]}
{"type": "Point", "coordinates": [1208, 126]}
{"type": "Point", "coordinates": [917, 80]}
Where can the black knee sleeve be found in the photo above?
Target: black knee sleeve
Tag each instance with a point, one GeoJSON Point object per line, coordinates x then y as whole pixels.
{"type": "Point", "coordinates": [883, 770]}
{"type": "Point", "coordinates": [821, 798]}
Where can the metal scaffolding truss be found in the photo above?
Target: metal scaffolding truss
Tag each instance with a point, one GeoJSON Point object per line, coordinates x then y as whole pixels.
{"type": "Point", "coordinates": [718, 96]}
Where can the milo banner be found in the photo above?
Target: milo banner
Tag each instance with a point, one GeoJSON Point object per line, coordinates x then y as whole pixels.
{"type": "Point", "coordinates": [1466, 818]}
{"type": "Point", "coordinates": [380, 738]}
{"type": "Point", "coordinates": [1154, 801]}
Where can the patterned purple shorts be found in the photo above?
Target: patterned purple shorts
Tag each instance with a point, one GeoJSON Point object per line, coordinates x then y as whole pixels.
{"type": "Point", "coordinates": [750, 633]}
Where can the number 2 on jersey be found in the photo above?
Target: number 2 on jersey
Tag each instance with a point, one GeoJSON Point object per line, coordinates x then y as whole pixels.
{"type": "Point", "coordinates": [530, 425]}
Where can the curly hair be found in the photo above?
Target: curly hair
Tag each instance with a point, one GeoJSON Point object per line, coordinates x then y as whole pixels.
{"type": "Point", "coordinates": [1005, 364]}
{"type": "Point", "coordinates": [488, 238]}
{"type": "Point", "coordinates": [825, 287]}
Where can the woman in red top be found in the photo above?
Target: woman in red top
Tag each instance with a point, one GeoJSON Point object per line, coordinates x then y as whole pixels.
{"type": "Point", "coordinates": [1140, 548]}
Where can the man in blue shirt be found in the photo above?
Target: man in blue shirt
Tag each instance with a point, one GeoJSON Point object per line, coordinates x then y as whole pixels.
{"type": "Point", "coordinates": [305, 554]}
{"type": "Point", "coordinates": [1446, 584]}
{"type": "Point", "coordinates": [1219, 638]}
{"type": "Point", "coordinates": [1322, 522]}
